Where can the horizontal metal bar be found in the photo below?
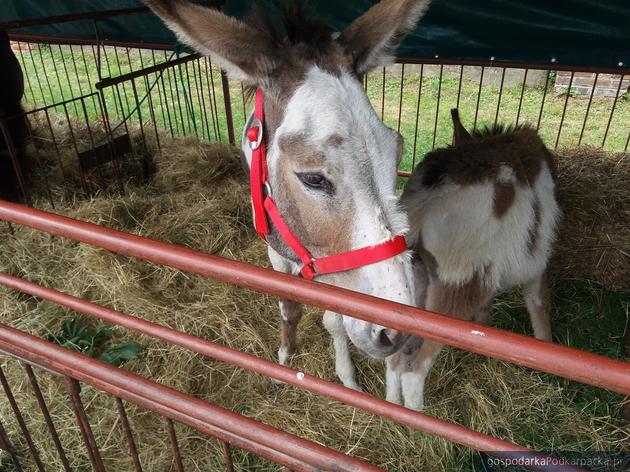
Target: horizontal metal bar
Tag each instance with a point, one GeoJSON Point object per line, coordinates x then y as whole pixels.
{"type": "Point", "coordinates": [54, 105]}
{"type": "Point", "coordinates": [139, 390]}
{"type": "Point", "coordinates": [625, 69]}
{"type": "Point", "coordinates": [90, 15]}
{"type": "Point", "coordinates": [87, 41]}
{"type": "Point", "coordinates": [456, 61]}
{"type": "Point", "coordinates": [109, 81]}
{"type": "Point", "coordinates": [553, 358]}
{"type": "Point", "coordinates": [413, 419]}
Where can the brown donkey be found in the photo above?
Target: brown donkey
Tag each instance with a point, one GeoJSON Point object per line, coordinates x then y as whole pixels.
{"type": "Point", "coordinates": [331, 161]}
{"type": "Point", "coordinates": [482, 217]}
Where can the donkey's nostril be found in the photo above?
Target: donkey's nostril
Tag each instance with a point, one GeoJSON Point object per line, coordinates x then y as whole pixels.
{"type": "Point", "coordinates": [384, 338]}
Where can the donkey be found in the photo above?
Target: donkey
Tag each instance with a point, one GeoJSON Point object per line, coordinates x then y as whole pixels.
{"type": "Point", "coordinates": [331, 162]}
{"type": "Point", "coordinates": [483, 218]}
{"type": "Point", "coordinates": [17, 128]}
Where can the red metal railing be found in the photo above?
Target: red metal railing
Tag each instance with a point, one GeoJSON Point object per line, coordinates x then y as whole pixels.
{"type": "Point", "coordinates": [560, 360]}
{"type": "Point", "coordinates": [259, 438]}
{"type": "Point", "coordinates": [556, 359]}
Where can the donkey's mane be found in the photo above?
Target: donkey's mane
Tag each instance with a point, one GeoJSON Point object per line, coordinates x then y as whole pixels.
{"type": "Point", "coordinates": [295, 28]}
{"type": "Point", "coordinates": [497, 129]}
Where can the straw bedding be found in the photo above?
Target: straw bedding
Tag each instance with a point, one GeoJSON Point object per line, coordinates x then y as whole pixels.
{"type": "Point", "coordinates": [198, 198]}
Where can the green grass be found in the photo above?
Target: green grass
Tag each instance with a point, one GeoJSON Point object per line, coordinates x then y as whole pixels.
{"type": "Point", "coordinates": [180, 101]}
{"type": "Point", "coordinates": [587, 316]}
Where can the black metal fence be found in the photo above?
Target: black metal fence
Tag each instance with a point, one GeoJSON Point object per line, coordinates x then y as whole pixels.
{"type": "Point", "coordinates": [125, 99]}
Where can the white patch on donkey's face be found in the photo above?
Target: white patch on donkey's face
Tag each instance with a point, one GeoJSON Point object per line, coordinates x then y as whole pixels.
{"type": "Point", "coordinates": [358, 155]}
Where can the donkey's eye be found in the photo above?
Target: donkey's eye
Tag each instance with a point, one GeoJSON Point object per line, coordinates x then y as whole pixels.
{"type": "Point", "coordinates": [315, 181]}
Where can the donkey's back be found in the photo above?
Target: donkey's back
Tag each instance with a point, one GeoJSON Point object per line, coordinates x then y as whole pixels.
{"type": "Point", "coordinates": [485, 209]}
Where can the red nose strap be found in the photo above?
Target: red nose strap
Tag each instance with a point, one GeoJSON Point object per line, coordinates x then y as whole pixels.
{"type": "Point", "coordinates": [264, 206]}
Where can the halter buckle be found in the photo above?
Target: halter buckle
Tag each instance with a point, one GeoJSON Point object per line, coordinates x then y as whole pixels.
{"type": "Point", "coordinates": [255, 125]}
{"type": "Point", "coordinates": [308, 270]}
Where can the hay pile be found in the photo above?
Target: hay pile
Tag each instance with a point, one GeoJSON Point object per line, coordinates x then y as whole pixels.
{"type": "Point", "coordinates": [594, 238]}
{"type": "Point", "coordinates": [198, 198]}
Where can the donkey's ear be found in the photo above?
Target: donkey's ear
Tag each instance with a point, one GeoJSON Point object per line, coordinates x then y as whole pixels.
{"type": "Point", "coordinates": [372, 39]}
{"type": "Point", "coordinates": [243, 52]}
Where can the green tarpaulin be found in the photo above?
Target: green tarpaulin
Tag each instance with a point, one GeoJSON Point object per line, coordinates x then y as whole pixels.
{"type": "Point", "coordinates": [576, 32]}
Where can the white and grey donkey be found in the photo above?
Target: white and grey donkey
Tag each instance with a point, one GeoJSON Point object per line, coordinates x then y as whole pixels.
{"type": "Point", "coordinates": [483, 218]}
{"type": "Point", "coordinates": [332, 162]}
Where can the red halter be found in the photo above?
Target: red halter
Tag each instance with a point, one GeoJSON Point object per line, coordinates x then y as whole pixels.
{"type": "Point", "coordinates": [264, 207]}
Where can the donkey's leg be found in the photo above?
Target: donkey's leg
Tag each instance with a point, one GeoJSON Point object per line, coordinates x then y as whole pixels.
{"type": "Point", "coordinates": [393, 371]}
{"type": "Point", "coordinates": [396, 365]}
{"type": "Point", "coordinates": [413, 382]}
{"type": "Point", "coordinates": [464, 302]}
{"type": "Point", "coordinates": [537, 299]}
{"type": "Point", "coordinates": [343, 362]}
{"type": "Point", "coordinates": [290, 315]}
{"type": "Point", "coordinates": [483, 316]}
{"type": "Point", "coordinates": [290, 312]}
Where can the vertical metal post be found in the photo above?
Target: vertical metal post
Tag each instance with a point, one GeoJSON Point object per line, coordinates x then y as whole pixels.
{"type": "Point", "coordinates": [84, 185]}
{"type": "Point", "coordinates": [26, 74]}
{"type": "Point", "coordinates": [172, 439]}
{"type": "Point", "coordinates": [564, 110]}
{"type": "Point", "coordinates": [38, 159]}
{"type": "Point", "coordinates": [437, 106]}
{"type": "Point", "coordinates": [45, 71]}
{"type": "Point", "coordinates": [483, 69]}
{"type": "Point", "coordinates": [190, 96]}
{"type": "Point", "coordinates": [496, 116]}
{"type": "Point", "coordinates": [65, 68]}
{"type": "Point", "coordinates": [459, 86]}
{"type": "Point", "coordinates": [402, 84]}
{"type": "Point", "coordinates": [74, 390]}
{"type": "Point", "coordinates": [20, 420]}
{"type": "Point", "coordinates": [39, 82]}
{"type": "Point", "coordinates": [415, 133]}
{"type": "Point", "coordinates": [228, 107]}
{"type": "Point", "coordinates": [243, 102]}
{"type": "Point", "coordinates": [612, 110]}
{"type": "Point", "coordinates": [227, 455]}
{"type": "Point", "coordinates": [87, 74]}
{"type": "Point", "coordinates": [215, 117]}
{"type": "Point", "coordinates": [5, 444]}
{"type": "Point", "coordinates": [198, 79]}
{"type": "Point", "coordinates": [588, 108]}
{"type": "Point", "coordinates": [58, 154]}
{"type": "Point", "coordinates": [124, 421]}
{"type": "Point", "coordinates": [542, 103]}
{"type": "Point", "coordinates": [166, 114]}
{"type": "Point", "coordinates": [520, 100]}
{"type": "Point", "coordinates": [140, 121]}
{"type": "Point", "coordinates": [110, 140]}
{"type": "Point", "coordinates": [44, 409]}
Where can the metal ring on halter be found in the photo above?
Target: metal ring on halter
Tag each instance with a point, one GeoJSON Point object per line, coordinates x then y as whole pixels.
{"type": "Point", "coordinates": [268, 188]}
{"type": "Point", "coordinates": [255, 123]}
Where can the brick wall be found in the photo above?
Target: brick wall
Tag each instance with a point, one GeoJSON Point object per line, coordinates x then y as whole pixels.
{"type": "Point", "coordinates": [583, 82]}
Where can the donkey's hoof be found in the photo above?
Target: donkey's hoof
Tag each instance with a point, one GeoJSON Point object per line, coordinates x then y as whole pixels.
{"type": "Point", "coordinates": [418, 406]}
{"type": "Point", "coordinates": [354, 386]}
{"type": "Point", "coordinates": [394, 398]}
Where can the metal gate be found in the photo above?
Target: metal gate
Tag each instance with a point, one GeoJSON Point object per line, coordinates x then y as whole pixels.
{"type": "Point", "coordinates": [234, 429]}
